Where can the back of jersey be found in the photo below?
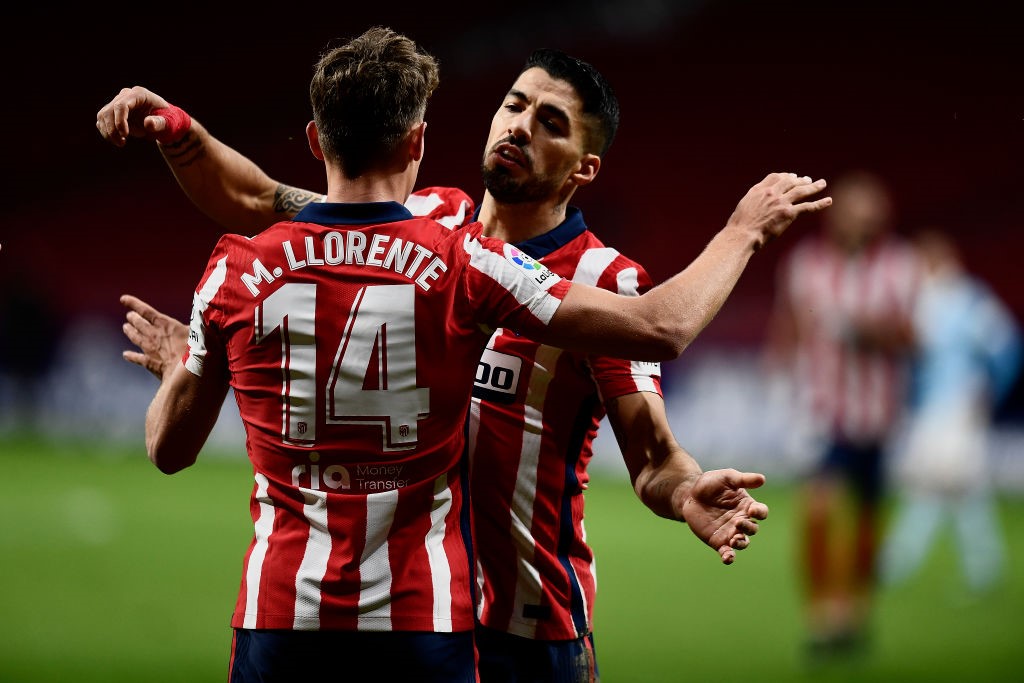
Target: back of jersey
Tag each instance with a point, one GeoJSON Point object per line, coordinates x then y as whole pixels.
{"type": "Point", "coordinates": [352, 337]}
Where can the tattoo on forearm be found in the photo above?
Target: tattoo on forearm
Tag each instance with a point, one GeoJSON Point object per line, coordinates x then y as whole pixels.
{"type": "Point", "coordinates": [291, 200]}
{"type": "Point", "coordinates": [185, 151]}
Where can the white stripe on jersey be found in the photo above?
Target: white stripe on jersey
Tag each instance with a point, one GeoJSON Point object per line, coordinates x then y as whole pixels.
{"type": "Point", "coordinates": [420, 205]}
{"type": "Point", "coordinates": [592, 264]}
{"type": "Point", "coordinates": [314, 561]}
{"type": "Point", "coordinates": [593, 559]}
{"type": "Point", "coordinates": [628, 282]}
{"type": "Point", "coordinates": [643, 372]}
{"type": "Point", "coordinates": [529, 587]}
{"type": "Point", "coordinates": [440, 571]}
{"type": "Point", "coordinates": [518, 284]}
{"type": "Point", "coordinates": [253, 572]}
{"type": "Point", "coordinates": [200, 302]}
{"type": "Point", "coordinates": [375, 564]}
{"type": "Point", "coordinates": [588, 271]}
{"type": "Point", "coordinates": [474, 430]}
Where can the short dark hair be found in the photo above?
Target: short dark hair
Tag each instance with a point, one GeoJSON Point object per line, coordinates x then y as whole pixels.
{"type": "Point", "coordinates": [367, 94]}
{"type": "Point", "coordinates": [598, 100]}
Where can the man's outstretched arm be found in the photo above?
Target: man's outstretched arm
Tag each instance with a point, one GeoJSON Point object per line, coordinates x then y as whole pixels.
{"type": "Point", "coordinates": [715, 504]}
{"type": "Point", "coordinates": [226, 185]}
{"type": "Point", "coordinates": [662, 322]}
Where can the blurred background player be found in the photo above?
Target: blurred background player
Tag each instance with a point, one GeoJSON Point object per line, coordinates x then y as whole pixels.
{"type": "Point", "coordinates": [968, 357]}
{"type": "Point", "coordinates": [842, 326]}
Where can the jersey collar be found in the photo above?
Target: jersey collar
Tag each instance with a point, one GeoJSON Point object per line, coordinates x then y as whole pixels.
{"type": "Point", "coordinates": [345, 213]}
{"type": "Point", "coordinates": [540, 246]}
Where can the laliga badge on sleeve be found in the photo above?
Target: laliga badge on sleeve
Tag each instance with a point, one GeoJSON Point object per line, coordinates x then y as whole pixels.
{"type": "Point", "coordinates": [537, 271]}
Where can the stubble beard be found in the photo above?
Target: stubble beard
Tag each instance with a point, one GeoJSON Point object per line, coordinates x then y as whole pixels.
{"type": "Point", "coordinates": [507, 190]}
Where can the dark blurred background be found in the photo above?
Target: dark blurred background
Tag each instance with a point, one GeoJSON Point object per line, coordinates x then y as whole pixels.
{"type": "Point", "coordinates": [714, 96]}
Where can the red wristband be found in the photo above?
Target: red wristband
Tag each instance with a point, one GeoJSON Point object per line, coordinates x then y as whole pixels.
{"type": "Point", "coordinates": [178, 123]}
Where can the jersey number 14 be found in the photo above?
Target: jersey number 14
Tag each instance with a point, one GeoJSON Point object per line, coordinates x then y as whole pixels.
{"type": "Point", "coordinates": [380, 334]}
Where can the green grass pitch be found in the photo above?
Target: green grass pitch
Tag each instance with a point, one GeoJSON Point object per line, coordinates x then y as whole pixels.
{"type": "Point", "coordinates": [111, 571]}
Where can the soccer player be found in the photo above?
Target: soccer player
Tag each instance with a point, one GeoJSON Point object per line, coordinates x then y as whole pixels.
{"type": "Point", "coordinates": [969, 353]}
{"type": "Point", "coordinates": [542, 88]}
{"type": "Point", "coordinates": [843, 325]}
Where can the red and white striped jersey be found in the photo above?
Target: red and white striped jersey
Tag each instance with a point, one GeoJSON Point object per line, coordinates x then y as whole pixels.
{"type": "Point", "coordinates": [449, 206]}
{"type": "Point", "coordinates": [535, 414]}
{"type": "Point", "coordinates": [351, 335]}
{"type": "Point", "coordinates": [851, 391]}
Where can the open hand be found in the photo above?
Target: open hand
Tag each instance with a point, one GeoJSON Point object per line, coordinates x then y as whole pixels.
{"type": "Point", "coordinates": [161, 338]}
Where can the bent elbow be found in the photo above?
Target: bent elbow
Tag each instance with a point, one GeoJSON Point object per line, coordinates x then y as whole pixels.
{"type": "Point", "coordinates": [168, 467]}
{"type": "Point", "coordinates": [167, 459]}
{"type": "Point", "coordinates": [683, 342]}
{"type": "Point", "coordinates": [678, 345]}
{"type": "Point", "coordinates": [670, 349]}
{"type": "Point", "coordinates": [668, 342]}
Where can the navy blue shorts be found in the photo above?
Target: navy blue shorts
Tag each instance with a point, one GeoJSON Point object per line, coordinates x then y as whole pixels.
{"type": "Point", "coordinates": [505, 658]}
{"type": "Point", "coordinates": [284, 656]}
{"type": "Point", "coordinates": [858, 464]}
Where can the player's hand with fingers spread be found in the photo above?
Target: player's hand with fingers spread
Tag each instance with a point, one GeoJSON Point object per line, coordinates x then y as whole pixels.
{"type": "Point", "coordinates": [161, 338]}
{"type": "Point", "coordinates": [775, 202]}
{"type": "Point", "coordinates": [720, 511]}
{"type": "Point", "coordinates": [130, 114]}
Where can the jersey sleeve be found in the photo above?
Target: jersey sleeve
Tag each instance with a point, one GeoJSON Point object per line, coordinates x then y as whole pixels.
{"type": "Point", "coordinates": [507, 288]}
{"type": "Point", "coordinates": [449, 206]}
{"type": "Point", "coordinates": [202, 334]}
{"type": "Point", "coordinates": [615, 376]}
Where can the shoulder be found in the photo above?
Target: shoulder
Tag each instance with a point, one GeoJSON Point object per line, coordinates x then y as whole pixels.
{"type": "Point", "coordinates": [608, 268]}
{"type": "Point", "coordinates": [594, 262]}
{"type": "Point", "coordinates": [624, 262]}
{"type": "Point", "coordinates": [230, 243]}
{"type": "Point", "coordinates": [272, 235]}
{"type": "Point", "coordinates": [449, 206]}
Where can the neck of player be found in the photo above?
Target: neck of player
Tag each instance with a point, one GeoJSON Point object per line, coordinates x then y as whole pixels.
{"type": "Point", "coordinates": [519, 222]}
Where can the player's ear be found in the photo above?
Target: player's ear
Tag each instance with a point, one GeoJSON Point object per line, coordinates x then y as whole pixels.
{"type": "Point", "coordinates": [417, 141]}
{"type": "Point", "coordinates": [313, 137]}
{"type": "Point", "coordinates": [590, 164]}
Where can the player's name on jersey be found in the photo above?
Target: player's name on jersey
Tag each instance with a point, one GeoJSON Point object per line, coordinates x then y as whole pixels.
{"type": "Point", "coordinates": [351, 248]}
